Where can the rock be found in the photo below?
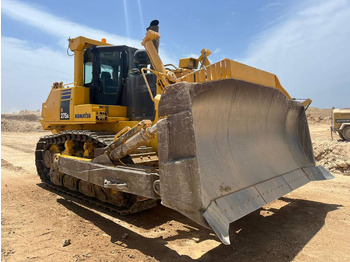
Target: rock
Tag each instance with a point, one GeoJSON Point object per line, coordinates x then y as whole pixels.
{"type": "Point", "coordinates": [125, 236]}
{"type": "Point", "coordinates": [342, 164]}
{"type": "Point", "coordinates": [66, 242]}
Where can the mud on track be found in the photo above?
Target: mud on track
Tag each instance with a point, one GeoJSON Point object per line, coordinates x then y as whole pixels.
{"type": "Point", "coordinates": [309, 224]}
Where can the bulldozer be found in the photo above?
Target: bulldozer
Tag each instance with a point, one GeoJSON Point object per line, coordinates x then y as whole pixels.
{"type": "Point", "coordinates": [213, 141]}
{"type": "Point", "coordinates": [341, 123]}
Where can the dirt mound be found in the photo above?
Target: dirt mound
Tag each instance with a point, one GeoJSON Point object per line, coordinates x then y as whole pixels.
{"type": "Point", "coordinates": [20, 126]}
{"type": "Point", "coordinates": [318, 115]}
{"type": "Point", "coordinates": [24, 121]}
{"type": "Point", "coordinates": [34, 117]}
{"type": "Point", "coordinates": [333, 155]}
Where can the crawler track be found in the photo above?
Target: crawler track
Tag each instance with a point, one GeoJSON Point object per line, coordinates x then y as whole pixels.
{"type": "Point", "coordinates": [99, 140]}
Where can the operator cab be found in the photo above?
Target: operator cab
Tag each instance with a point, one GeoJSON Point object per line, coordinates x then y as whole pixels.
{"type": "Point", "coordinates": [113, 75]}
{"type": "Point", "coordinates": [105, 73]}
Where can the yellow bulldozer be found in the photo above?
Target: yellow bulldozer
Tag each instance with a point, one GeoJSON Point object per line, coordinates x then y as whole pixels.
{"type": "Point", "coordinates": [213, 141]}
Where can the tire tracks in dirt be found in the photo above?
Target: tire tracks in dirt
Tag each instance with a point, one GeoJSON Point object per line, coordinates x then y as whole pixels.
{"type": "Point", "coordinates": [7, 165]}
{"type": "Point", "coordinates": [20, 148]}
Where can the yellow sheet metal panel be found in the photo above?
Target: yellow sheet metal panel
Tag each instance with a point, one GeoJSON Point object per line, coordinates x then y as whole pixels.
{"type": "Point", "coordinates": [120, 111]}
{"type": "Point", "coordinates": [227, 68]}
{"type": "Point", "coordinates": [81, 95]}
{"type": "Point", "coordinates": [116, 118]}
{"type": "Point", "coordinates": [115, 127]}
{"type": "Point", "coordinates": [96, 107]}
{"type": "Point", "coordinates": [223, 69]}
{"type": "Point", "coordinates": [196, 78]}
{"type": "Point", "coordinates": [218, 72]}
{"type": "Point", "coordinates": [208, 74]}
{"type": "Point", "coordinates": [201, 76]}
{"type": "Point", "coordinates": [279, 86]}
{"type": "Point", "coordinates": [122, 124]}
{"type": "Point", "coordinates": [251, 74]}
{"type": "Point", "coordinates": [190, 63]}
{"type": "Point", "coordinates": [51, 108]}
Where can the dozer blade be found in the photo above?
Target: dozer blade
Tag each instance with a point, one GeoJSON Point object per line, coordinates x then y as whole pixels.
{"type": "Point", "coordinates": [229, 147]}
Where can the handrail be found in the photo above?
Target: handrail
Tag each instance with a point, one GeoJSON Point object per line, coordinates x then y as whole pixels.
{"type": "Point", "coordinates": [144, 77]}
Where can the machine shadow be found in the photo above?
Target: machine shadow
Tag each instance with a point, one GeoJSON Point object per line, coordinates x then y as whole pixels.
{"type": "Point", "coordinates": [279, 236]}
{"type": "Point", "coordinates": [155, 247]}
{"type": "Point", "coordinates": [147, 219]}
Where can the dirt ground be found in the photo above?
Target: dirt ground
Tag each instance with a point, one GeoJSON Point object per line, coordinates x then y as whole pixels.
{"type": "Point", "coordinates": [310, 224]}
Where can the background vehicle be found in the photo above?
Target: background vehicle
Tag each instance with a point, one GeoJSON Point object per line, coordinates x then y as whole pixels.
{"type": "Point", "coordinates": [341, 123]}
{"type": "Point", "coordinates": [214, 144]}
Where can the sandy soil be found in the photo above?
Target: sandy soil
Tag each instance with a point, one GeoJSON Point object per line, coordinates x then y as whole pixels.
{"type": "Point", "coordinates": [309, 224]}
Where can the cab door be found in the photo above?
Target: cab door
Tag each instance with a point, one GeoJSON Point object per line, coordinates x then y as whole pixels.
{"type": "Point", "coordinates": [107, 84]}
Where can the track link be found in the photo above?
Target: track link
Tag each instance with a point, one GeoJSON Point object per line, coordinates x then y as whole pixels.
{"type": "Point", "coordinates": [100, 140]}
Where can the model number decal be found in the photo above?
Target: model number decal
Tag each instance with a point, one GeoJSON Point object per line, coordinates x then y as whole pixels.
{"type": "Point", "coordinates": [64, 116]}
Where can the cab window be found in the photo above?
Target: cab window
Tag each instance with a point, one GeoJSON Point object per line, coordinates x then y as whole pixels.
{"type": "Point", "coordinates": [87, 68]}
{"type": "Point", "coordinates": [87, 73]}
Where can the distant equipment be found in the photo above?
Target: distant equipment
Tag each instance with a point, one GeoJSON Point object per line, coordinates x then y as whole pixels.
{"type": "Point", "coordinates": [341, 123]}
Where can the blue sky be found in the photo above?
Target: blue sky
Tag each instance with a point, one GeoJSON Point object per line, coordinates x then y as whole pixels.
{"type": "Point", "coordinates": [305, 43]}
